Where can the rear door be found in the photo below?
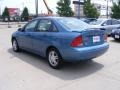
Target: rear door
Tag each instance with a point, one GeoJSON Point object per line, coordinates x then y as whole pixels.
{"type": "Point", "coordinates": [41, 38]}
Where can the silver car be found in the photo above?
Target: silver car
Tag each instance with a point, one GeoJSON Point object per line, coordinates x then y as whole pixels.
{"type": "Point", "coordinates": [107, 24]}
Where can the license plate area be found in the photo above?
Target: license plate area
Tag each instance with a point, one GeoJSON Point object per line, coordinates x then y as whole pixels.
{"type": "Point", "coordinates": [96, 39]}
{"type": "Point", "coordinates": [117, 36]}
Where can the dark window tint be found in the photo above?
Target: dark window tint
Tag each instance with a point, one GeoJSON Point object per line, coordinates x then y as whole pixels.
{"type": "Point", "coordinates": [108, 22]}
{"type": "Point", "coordinates": [44, 25]}
{"type": "Point", "coordinates": [115, 22]}
{"type": "Point", "coordinates": [54, 29]}
{"type": "Point", "coordinates": [31, 26]}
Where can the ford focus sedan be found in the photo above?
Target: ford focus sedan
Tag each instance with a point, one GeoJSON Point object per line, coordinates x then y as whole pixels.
{"type": "Point", "coordinates": [60, 39]}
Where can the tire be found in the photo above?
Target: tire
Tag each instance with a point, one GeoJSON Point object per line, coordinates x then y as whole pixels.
{"type": "Point", "coordinates": [15, 45]}
{"type": "Point", "coordinates": [54, 58]}
{"type": "Point", "coordinates": [116, 39]}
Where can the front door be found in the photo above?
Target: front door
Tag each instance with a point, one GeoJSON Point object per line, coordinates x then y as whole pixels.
{"type": "Point", "coordinates": [25, 39]}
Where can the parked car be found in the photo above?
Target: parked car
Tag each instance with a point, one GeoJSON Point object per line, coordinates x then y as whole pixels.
{"type": "Point", "coordinates": [60, 39]}
{"type": "Point", "coordinates": [116, 33]}
{"type": "Point", "coordinates": [88, 20]}
{"type": "Point", "coordinates": [107, 24]}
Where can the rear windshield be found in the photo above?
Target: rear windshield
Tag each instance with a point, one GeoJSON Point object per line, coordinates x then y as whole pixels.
{"type": "Point", "coordinates": [73, 24]}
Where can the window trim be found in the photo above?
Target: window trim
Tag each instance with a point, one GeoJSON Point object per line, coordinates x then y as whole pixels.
{"type": "Point", "coordinates": [107, 22]}
{"type": "Point", "coordinates": [29, 23]}
{"type": "Point", "coordinates": [118, 22]}
{"type": "Point", "coordinates": [52, 23]}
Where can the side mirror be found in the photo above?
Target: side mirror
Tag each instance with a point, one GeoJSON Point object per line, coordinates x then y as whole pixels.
{"type": "Point", "coordinates": [20, 29]}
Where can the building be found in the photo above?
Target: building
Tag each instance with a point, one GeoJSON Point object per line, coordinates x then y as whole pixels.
{"type": "Point", "coordinates": [101, 6]}
{"type": "Point", "coordinates": [14, 13]}
{"type": "Point", "coordinates": [104, 7]}
{"type": "Point", "coordinates": [78, 9]}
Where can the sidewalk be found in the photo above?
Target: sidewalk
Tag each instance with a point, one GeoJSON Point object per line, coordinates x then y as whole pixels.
{"type": "Point", "coordinates": [12, 23]}
{"type": "Point", "coordinates": [4, 25]}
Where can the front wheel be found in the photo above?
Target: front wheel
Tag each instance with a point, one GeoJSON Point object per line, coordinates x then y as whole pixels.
{"type": "Point", "coordinates": [15, 45]}
{"type": "Point", "coordinates": [54, 58]}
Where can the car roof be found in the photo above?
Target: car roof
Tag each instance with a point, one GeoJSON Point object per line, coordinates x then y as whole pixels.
{"type": "Point", "coordinates": [54, 18]}
{"type": "Point", "coordinates": [51, 17]}
{"type": "Point", "coordinates": [106, 19]}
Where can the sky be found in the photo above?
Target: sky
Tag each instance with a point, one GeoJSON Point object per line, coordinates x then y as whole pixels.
{"type": "Point", "coordinates": [31, 4]}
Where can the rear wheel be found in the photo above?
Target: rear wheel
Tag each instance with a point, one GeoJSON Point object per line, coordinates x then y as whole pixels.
{"type": "Point", "coordinates": [54, 58]}
{"type": "Point", "coordinates": [15, 45]}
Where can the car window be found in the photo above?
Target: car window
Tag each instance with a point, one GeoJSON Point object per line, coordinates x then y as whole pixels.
{"type": "Point", "coordinates": [54, 28]}
{"type": "Point", "coordinates": [31, 26]}
{"type": "Point", "coordinates": [44, 25]}
{"type": "Point", "coordinates": [96, 22]}
{"type": "Point", "coordinates": [108, 22]}
{"type": "Point", "coordinates": [73, 24]}
{"type": "Point", "coordinates": [115, 22]}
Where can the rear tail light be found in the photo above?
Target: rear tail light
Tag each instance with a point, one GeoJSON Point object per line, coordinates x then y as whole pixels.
{"type": "Point", "coordinates": [105, 37]}
{"type": "Point", "coordinates": [78, 41]}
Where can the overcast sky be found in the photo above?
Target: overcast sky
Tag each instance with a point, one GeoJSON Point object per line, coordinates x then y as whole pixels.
{"type": "Point", "coordinates": [31, 4]}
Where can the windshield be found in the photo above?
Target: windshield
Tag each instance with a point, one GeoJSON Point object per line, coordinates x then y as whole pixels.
{"type": "Point", "coordinates": [96, 22]}
{"type": "Point", "coordinates": [73, 24]}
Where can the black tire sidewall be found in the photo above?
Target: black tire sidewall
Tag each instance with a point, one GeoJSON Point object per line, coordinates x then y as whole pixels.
{"type": "Point", "coordinates": [14, 40]}
{"type": "Point", "coordinates": [60, 61]}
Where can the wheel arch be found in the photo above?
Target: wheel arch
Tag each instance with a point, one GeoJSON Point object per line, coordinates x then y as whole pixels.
{"type": "Point", "coordinates": [50, 47]}
{"type": "Point", "coordinates": [13, 39]}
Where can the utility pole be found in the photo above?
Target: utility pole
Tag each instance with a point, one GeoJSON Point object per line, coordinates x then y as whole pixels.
{"type": "Point", "coordinates": [0, 10]}
{"type": "Point", "coordinates": [78, 3]}
{"type": "Point", "coordinates": [79, 10]}
{"type": "Point", "coordinates": [107, 9]}
{"type": "Point", "coordinates": [36, 7]}
{"type": "Point", "coordinates": [0, 7]}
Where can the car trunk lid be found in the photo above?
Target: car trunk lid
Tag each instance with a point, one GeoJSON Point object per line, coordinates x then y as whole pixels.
{"type": "Point", "coordinates": [92, 37]}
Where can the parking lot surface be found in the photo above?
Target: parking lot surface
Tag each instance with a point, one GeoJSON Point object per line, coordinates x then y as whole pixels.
{"type": "Point", "coordinates": [25, 71]}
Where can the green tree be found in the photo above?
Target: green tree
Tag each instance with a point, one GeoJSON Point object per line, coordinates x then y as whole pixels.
{"type": "Point", "coordinates": [6, 14]}
{"type": "Point", "coordinates": [25, 14]}
{"type": "Point", "coordinates": [116, 10]}
{"type": "Point", "coordinates": [64, 9]}
{"type": "Point", "coordinates": [90, 10]}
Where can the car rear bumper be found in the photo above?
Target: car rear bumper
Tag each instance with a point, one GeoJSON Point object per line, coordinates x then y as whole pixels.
{"type": "Point", "coordinates": [115, 35]}
{"type": "Point", "coordinates": [87, 53]}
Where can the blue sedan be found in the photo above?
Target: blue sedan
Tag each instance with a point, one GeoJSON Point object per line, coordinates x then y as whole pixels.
{"type": "Point", "coordinates": [60, 39]}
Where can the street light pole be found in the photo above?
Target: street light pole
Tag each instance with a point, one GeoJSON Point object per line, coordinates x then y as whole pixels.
{"type": "Point", "coordinates": [36, 7]}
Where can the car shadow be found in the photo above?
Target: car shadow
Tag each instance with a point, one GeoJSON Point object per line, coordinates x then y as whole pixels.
{"type": "Point", "coordinates": [69, 71]}
{"type": "Point", "coordinates": [115, 41]}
